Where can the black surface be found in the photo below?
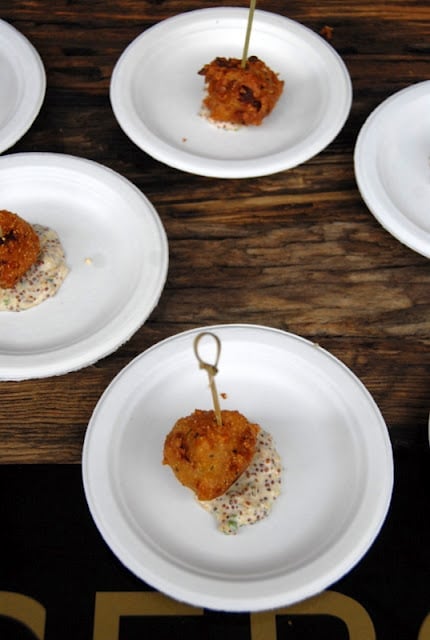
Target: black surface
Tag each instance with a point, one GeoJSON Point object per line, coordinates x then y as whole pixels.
{"type": "Point", "coordinates": [52, 552]}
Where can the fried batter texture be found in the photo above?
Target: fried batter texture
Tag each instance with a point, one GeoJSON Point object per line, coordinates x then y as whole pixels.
{"type": "Point", "coordinates": [19, 248]}
{"type": "Point", "coordinates": [209, 458]}
{"type": "Point", "coordinates": [240, 95]}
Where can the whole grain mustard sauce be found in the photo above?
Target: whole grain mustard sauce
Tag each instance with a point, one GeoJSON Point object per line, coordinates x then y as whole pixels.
{"type": "Point", "coordinates": [251, 497]}
{"type": "Point", "coordinates": [43, 279]}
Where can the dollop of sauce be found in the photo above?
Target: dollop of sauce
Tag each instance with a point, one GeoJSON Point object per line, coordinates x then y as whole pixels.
{"type": "Point", "coordinates": [43, 279]}
{"type": "Point", "coordinates": [251, 497]}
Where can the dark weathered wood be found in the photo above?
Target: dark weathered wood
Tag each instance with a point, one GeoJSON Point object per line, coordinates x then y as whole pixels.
{"type": "Point", "coordinates": [299, 249]}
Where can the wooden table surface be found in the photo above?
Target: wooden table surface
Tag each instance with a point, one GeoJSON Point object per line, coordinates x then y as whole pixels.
{"type": "Point", "coordinates": [298, 250]}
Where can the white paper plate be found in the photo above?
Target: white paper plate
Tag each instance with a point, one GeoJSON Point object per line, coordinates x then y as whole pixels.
{"type": "Point", "coordinates": [330, 434]}
{"type": "Point", "coordinates": [156, 93]}
{"type": "Point", "coordinates": [116, 250]}
{"type": "Point", "coordinates": [22, 82]}
{"type": "Point", "coordinates": [392, 165]}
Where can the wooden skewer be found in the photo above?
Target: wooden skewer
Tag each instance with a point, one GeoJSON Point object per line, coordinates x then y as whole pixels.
{"type": "Point", "coordinates": [248, 33]}
{"type": "Point", "coordinates": [211, 369]}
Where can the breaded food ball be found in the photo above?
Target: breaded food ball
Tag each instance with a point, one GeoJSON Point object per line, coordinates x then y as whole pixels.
{"type": "Point", "coordinates": [19, 248]}
{"type": "Point", "coordinates": [207, 457]}
{"type": "Point", "coordinates": [240, 95]}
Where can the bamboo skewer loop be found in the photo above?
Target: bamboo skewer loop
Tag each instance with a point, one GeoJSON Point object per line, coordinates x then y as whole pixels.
{"type": "Point", "coordinates": [211, 370]}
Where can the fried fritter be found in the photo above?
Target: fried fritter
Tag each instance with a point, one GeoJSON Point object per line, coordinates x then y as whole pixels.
{"type": "Point", "coordinates": [207, 457]}
{"type": "Point", "coordinates": [240, 95]}
{"type": "Point", "coordinates": [19, 248]}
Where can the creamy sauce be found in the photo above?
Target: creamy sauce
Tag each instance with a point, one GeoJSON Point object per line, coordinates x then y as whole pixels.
{"type": "Point", "coordinates": [43, 279]}
{"type": "Point", "coordinates": [251, 497]}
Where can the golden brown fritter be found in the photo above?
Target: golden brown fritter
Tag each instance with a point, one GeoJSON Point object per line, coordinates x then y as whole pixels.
{"type": "Point", "coordinates": [19, 248]}
{"type": "Point", "coordinates": [207, 457]}
{"type": "Point", "coordinates": [240, 95]}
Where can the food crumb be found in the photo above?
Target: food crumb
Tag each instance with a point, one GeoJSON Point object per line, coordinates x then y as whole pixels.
{"type": "Point", "coordinates": [88, 261]}
{"type": "Point", "coordinates": [327, 32]}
